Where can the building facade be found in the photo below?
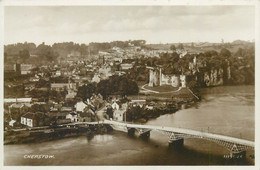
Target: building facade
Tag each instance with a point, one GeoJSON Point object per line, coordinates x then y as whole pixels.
{"type": "Point", "coordinates": [157, 78]}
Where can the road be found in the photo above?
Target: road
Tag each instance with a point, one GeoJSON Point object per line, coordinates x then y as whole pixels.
{"type": "Point", "coordinates": [152, 91]}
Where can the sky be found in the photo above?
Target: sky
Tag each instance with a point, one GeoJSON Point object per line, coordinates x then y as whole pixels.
{"type": "Point", "coordinates": [155, 24]}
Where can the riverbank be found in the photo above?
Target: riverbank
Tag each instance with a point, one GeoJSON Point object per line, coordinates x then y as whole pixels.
{"type": "Point", "coordinates": [166, 103]}
{"type": "Point", "coordinates": [181, 95]}
{"type": "Point", "coordinates": [225, 110]}
{"type": "Point", "coordinates": [161, 104]}
{"type": "Point", "coordinates": [147, 115]}
{"type": "Point", "coordinates": [32, 136]}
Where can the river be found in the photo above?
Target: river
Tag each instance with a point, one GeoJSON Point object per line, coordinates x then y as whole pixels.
{"type": "Point", "coordinates": [227, 110]}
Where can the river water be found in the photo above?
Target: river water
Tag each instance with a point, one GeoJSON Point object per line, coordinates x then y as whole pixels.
{"type": "Point", "coordinates": [225, 110]}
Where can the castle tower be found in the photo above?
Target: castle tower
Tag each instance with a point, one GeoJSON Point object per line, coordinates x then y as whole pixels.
{"type": "Point", "coordinates": [160, 76]}
{"type": "Point", "coordinates": [151, 78]}
{"type": "Point", "coordinates": [183, 80]}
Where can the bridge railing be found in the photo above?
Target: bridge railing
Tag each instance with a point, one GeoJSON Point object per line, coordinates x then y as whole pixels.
{"type": "Point", "coordinates": [198, 134]}
{"type": "Point", "coordinates": [188, 132]}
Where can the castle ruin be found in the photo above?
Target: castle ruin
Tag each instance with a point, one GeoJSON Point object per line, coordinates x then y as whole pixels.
{"type": "Point", "coordinates": [157, 78]}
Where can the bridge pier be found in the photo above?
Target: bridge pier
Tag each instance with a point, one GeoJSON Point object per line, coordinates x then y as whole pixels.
{"type": "Point", "coordinates": [131, 131]}
{"type": "Point", "coordinates": [238, 155]}
{"type": "Point", "coordinates": [176, 143]}
{"type": "Point", "coordinates": [237, 147]}
{"type": "Point", "coordinates": [145, 135]}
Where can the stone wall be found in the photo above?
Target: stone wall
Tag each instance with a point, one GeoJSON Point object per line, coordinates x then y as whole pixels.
{"type": "Point", "coordinates": [183, 80]}
{"type": "Point", "coordinates": [172, 80]}
{"type": "Point", "coordinates": [156, 78]}
{"type": "Point", "coordinates": [214, 77]}
{"type": "Point", "coordinates": [175, 81]}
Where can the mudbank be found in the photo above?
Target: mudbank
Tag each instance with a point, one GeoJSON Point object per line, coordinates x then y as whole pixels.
{"type": "Point", "coordinates": [30, 136]}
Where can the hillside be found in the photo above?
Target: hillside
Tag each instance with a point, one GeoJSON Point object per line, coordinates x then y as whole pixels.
{"type": "Point", "coordinates": [204, 46]}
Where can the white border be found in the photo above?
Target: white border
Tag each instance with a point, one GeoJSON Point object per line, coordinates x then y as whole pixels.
{"type": "Point", "coordinates": [124, 2]}
{"type": "Point", "coordinates": [256, 3]}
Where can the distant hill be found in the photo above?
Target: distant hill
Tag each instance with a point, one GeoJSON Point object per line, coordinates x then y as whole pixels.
{"type": "Point", "coordinates": [240, 42]}
{"type": "Point", "coordinates": [204, 46]}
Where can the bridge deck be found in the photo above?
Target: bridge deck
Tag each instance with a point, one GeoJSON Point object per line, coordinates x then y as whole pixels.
{"type": "Point", "coordinates": [188, 132]}
{"type": "Point", "coordinates": [198, 134]}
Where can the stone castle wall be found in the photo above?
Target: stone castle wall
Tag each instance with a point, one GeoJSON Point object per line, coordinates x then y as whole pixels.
{"type": "Point", "coordinates": [156, 78]}
{"type": "Point", "coordinates": [214, 77]}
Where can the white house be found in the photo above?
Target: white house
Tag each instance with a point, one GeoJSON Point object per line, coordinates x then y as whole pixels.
{"type": "Point", "coordinates": [72, 116]}
{"type": "Point", "coordinates": [62, 86]}
{"type": "Point", "coordinates": [118, 59]}
{"type": "Point", "coordinates": [58, 73]}
{"type": "Point", "coordinates": [149, 107]}
{"type": "Point", "coordinates": [140, 103]}
{"type": "Point", "coordinates": [17, 100]}
{"type": "Point", "coordinates": [115, 106]}
{"type": "Point", "coordinates": [96, 78]}
{"type": "Point", "coordinates": [11, 123]}
{"type": "Point", "coordinates": [71, 94]}
{"type": "Point", "coordinates": [33, 119]}
{"type": "Point", "coordinates": [24, 121]}
{"type": "Point", "coordinates": [126, 66]}
{"type": "Point", "coordinates": [17, 106]}
{"type": "Point", "coordinates": [80, 106]}
{"type": "Point", "coordinates": [26, 69]}
{"type": "Point", "coordinates": [119, 114]}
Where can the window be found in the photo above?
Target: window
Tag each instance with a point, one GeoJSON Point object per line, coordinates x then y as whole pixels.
{"type": "Point", "coordinates": [29, 122]}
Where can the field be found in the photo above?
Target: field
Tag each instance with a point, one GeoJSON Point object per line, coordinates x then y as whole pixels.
{"type": "Point", "coordinates": [164, 88]}
{"type": "Point", "coordinates": [202, 48]}
{"type": "Point", "coordinates": [183, 95]}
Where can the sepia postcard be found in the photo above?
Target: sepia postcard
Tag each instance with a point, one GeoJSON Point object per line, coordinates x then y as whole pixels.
{"type": "Point", "coordinates": [166, 85]}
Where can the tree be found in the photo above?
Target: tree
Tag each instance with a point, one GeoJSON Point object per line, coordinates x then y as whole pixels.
{"type": "Point", "coordinates": [24, 55]}
{"type": "Point", "coordinates": [42, 83]}
{"type": "Point", "coordinates": [86, 91]}
{"type": "Point", "coordinates": [183, 64]}
{"type": "Point", "coordinates": [46, 52]}
{"type": "Point", "coordinates": [225, 53]}
{"type": "Point", "coordinates": [209, 54]}
{"type": "Point", "coordinates": [117, 85]}
{"type": "Point", "coordinates": [132, 87]}
{"type": "Point", "coordinates": [173, 47]}
{"type": "Point", "coordinates": [83, 49]}
{"type": "Point", "coordinates": [134, 113]}
{"type": "Point", "coordinates": [41, 95]}
{"type": "Point", "coordinates": [240, 52]}
{"type": "Point", "coordinates": [109, 112]}
{"type": "Point", "coordinates": [123, 86]}
{"type": "Point", "coordinates": [215, 62]}
{"type": "Point", "coordinates": [39, 108]}
{"type": "Point", "coordinates": [180, 46]}
{"type": "Point", "coordinates": [103, 88]}
{"type": "Point", "coordinates": [13, 49]}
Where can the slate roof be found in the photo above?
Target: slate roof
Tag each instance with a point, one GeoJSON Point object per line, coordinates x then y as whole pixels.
{"type": "Point", "coordinates": [37, 115]}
